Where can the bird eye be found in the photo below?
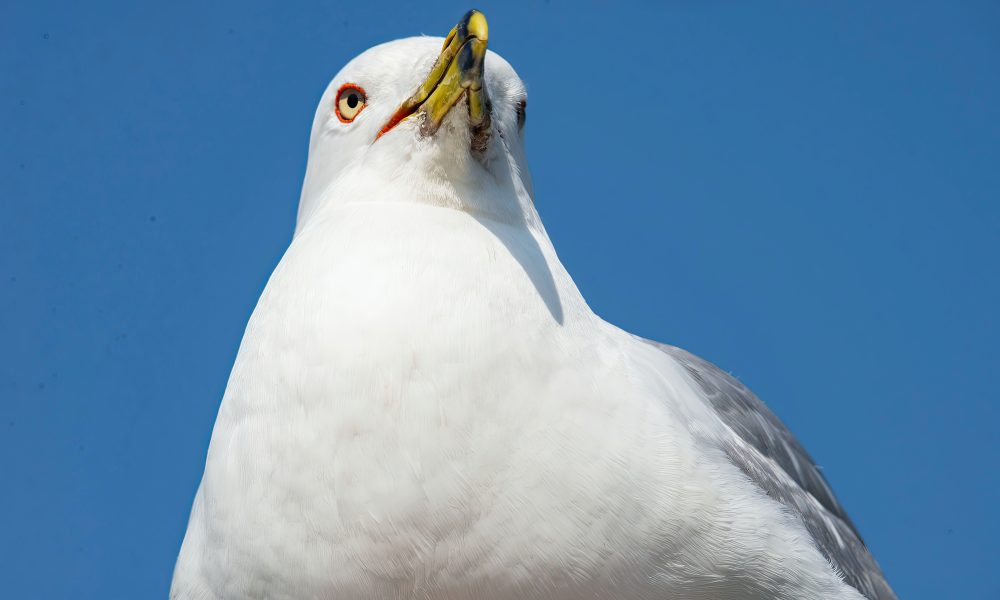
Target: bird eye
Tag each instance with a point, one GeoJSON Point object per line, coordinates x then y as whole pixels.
{"type": "Point", "coordinates": [522, 112]}
{"type": "Point", "coordinates": [350, 100]}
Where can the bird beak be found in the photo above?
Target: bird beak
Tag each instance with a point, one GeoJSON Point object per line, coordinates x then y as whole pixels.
{"type": "Point", "coordinates": [457, 71]}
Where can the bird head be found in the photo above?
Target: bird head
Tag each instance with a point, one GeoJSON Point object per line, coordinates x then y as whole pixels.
{"type": "Point", "coordinates": [435, 120]}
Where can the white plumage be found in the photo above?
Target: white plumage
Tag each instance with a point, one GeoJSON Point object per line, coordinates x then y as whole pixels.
{"type": "Point", "coordinates": [423, 405]}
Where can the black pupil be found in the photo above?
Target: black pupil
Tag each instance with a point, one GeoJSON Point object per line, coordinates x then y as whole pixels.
{"type": "Point", "coordinates": [352, 100]}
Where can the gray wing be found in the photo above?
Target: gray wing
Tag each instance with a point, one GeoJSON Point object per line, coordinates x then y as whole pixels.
{"type": "Point", "coordinates": [769, 454]}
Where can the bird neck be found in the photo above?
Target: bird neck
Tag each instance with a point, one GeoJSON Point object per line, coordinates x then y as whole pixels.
{"type": "Point", "coordinates": [492, 187]}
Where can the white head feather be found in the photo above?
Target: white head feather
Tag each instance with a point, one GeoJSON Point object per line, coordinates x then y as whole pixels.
{"type": "Point", "coordinates": [348, 164]}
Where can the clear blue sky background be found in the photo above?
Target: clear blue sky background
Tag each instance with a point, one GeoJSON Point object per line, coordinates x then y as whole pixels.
{"type": "Point", "coordinates": [807, 194]}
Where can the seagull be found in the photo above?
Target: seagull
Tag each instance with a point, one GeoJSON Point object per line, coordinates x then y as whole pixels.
{"type": "Point", "coordinates": [423, 406]}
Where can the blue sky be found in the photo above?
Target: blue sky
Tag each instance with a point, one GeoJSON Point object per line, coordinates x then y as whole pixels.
{"type": "Point", "coordinates": [807, 194]}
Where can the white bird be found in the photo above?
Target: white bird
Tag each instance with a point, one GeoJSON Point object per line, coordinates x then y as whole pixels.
{"type": "Point", "coordinates": [423, 405]}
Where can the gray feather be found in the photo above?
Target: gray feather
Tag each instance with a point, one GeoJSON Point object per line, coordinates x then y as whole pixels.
{"type": "Point", "coordinates": [771, 457]}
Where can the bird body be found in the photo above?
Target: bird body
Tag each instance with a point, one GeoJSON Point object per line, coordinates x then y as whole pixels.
{"type": "Point", "coordinates": [424, 406]}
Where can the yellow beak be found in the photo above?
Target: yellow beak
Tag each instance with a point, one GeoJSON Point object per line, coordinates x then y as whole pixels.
{"type": "Point", "coordinates": [457, 71]}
